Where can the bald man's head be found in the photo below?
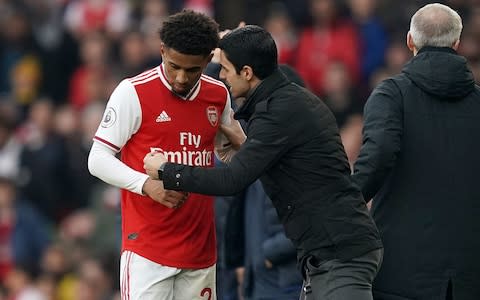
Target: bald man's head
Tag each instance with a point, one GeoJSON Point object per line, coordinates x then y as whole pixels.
{"type": "Point", "coordinates": [435, 25]}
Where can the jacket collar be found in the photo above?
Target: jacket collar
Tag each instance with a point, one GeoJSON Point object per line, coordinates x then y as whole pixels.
{"type": "Point", "coordinates": [441, 72]}
{"type": "Point", "coordinates": [260, 93]}
{"type": "Point", "coordinates": [438, 49]}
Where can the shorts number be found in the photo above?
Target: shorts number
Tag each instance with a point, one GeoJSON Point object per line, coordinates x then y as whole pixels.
{"type": "Point", "coordinates": [208, 292]}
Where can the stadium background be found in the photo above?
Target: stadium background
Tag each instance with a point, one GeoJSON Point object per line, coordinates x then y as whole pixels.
{"type": "Point", "coordinates": [60, 60]}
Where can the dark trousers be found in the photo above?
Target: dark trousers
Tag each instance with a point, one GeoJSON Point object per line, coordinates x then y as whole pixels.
{"type": "Point", "coordinates": [336, 280]}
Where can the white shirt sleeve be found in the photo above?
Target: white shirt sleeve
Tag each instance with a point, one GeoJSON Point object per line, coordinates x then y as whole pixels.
{"type": "Point", "coordinates": [103, 164]}
{"type": "Point", "coordinates": [121, 119]}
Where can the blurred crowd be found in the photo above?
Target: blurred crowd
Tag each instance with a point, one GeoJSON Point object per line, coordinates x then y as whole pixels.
{"type": "Point", "coordinates": [61, 59]}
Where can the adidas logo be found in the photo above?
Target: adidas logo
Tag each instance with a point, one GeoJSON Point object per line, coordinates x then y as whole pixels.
{"type": "Point", "coordinates": [163, 117]}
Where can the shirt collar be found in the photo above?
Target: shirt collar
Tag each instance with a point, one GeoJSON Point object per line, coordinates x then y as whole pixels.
{"type": "Point", "coordinates": [190, 96]}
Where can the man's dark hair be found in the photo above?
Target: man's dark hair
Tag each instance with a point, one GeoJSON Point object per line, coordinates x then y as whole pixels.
{"type": "Point", "coordinates": [251, 46]}
{"type": "Point", "coordinates": [190, 33]}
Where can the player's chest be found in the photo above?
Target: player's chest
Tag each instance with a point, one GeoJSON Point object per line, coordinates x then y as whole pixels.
{"type": "Point", "coordinates": [190, 119]}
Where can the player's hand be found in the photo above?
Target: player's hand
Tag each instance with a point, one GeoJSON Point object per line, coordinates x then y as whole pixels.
{"type": "Point", "coordinates": [155, 190]}
{"type": "Point", "coordinates": [233, 132]}
{"type": "Point", "coordinates": [152, 161]}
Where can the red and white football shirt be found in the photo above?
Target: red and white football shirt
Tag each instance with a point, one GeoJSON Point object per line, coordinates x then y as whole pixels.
{"type": "Point", "coordinates": [143, 114]}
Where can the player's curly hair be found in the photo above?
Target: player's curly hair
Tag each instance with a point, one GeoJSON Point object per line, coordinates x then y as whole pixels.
{"type": "Point", "coordinates": [190, 33]}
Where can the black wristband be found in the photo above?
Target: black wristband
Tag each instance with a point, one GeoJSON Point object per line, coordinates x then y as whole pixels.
{"type": "Point", "coordinates": [160, 171]}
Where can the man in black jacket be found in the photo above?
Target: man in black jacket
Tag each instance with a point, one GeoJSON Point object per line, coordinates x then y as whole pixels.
{"type": "Point", "coordinates": [419, 161]}
{"type": "Point", "coordinates": [294, 147]}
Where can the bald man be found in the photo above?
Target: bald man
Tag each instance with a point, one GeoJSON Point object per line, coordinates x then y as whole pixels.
{"type": "Point", "coordinates": [419, 162]}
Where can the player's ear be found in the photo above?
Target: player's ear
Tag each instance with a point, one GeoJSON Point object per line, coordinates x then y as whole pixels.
{"type": "Point", "coordinates": [162, 49]}
{"type": "Point", "coordinates": [247, 72]}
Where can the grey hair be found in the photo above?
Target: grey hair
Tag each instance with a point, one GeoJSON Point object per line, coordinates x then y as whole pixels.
{"type": "Point", "coordinates": [435, 25]}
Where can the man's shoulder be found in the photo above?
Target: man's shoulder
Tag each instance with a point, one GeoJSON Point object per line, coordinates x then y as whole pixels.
{"type": "Point", "coordinates": [288, 101]}
{"type": "Point", "coordinates": [212, 83]}
{"type": "Point", "coordinates": [389, 92]}
{"type": "Point", "coordinates": [393, 85]}
{"type": "Point", "coordinates": [144, 77]}
{"type": "Point", "coordinates": [290, 94]}
{"type": "Point", "coordinates": [400, 80]}
{"type": "Point", "coordinates": [212, 89]}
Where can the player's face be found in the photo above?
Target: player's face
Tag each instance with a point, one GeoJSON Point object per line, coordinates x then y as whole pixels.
{"type": "Point", "coordinates": [182, 70]}
{"type": "Point", "coordinates": [237, 83]}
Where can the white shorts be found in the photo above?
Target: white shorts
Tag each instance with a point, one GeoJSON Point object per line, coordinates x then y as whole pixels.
{"type": "Point", "coordinates": [144, 279]}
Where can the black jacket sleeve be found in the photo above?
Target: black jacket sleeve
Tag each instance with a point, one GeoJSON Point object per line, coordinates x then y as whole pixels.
{"type": "Point", "coordinates": [265, 144]}
{"type": "Point", "coordinates": [382, 135]}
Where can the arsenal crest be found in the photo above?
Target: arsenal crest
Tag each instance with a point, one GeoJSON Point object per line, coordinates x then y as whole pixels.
{"type": "Point", "coordinates": [212, 115]}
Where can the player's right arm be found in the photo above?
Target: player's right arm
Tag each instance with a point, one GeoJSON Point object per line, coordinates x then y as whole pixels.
{"type": "Point", "coordinates": [122, 118]}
